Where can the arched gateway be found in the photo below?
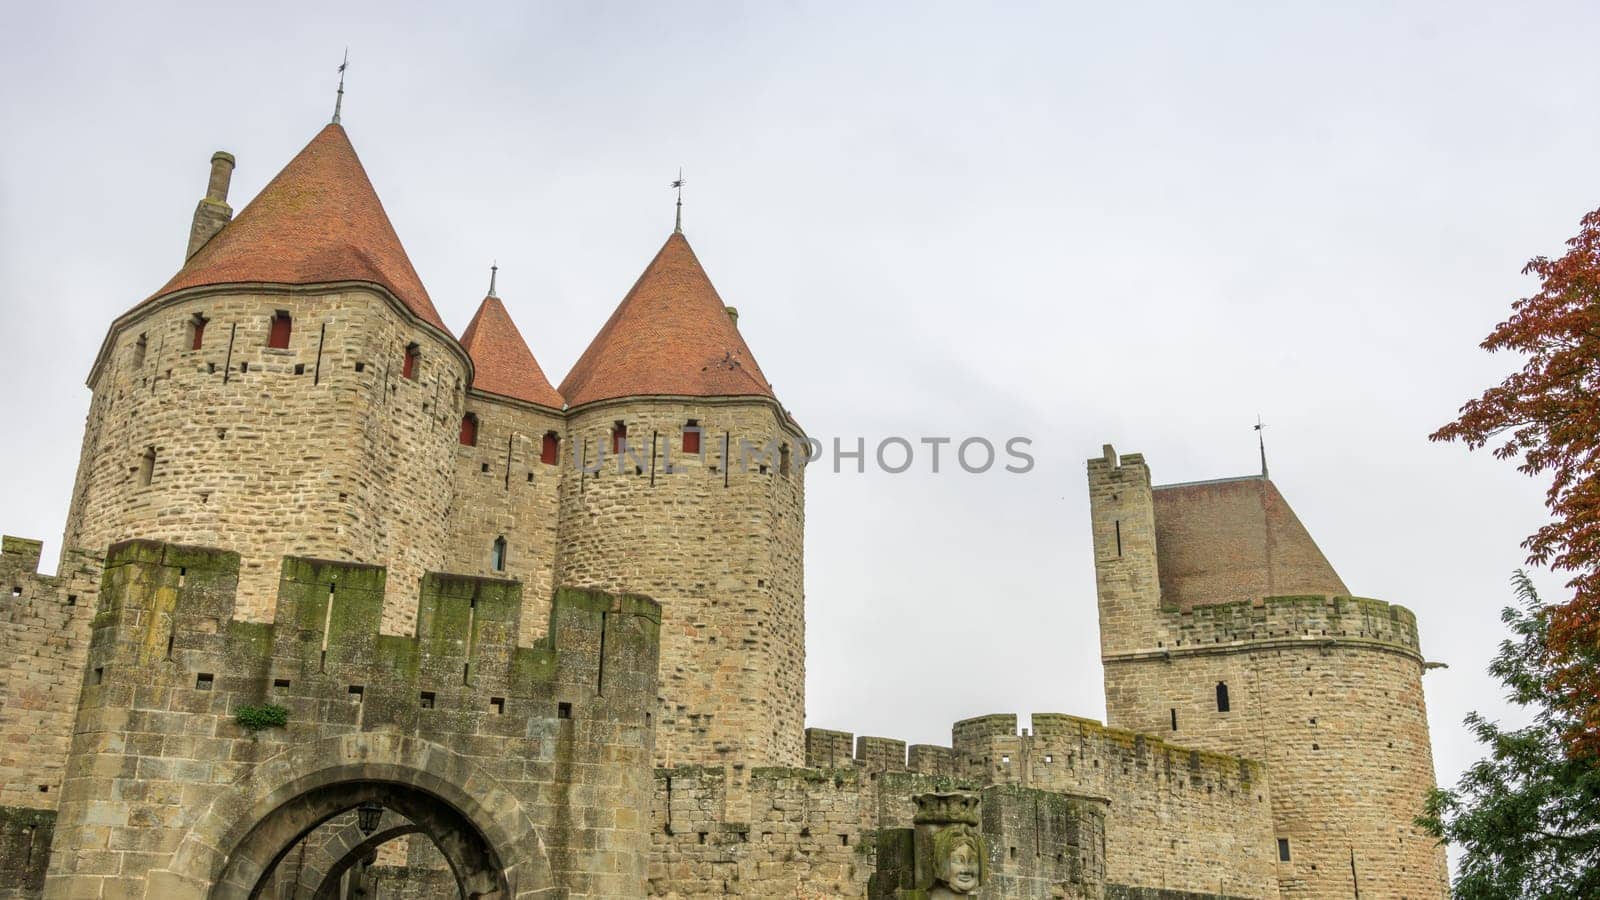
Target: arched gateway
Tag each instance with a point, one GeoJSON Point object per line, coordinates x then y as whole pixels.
{"type": "Point", "coordinates": [490, 750]}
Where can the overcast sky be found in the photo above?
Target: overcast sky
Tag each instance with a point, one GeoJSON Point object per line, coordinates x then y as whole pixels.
{"type": "Point", "coordinates": [1126, 223]}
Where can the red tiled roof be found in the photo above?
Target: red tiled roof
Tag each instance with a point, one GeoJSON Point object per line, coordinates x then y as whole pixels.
{"type": "Point", "coordinates": [502, 363]}
{"type": "Point", "coordinates": [1235, 539]}
{"type": "Point", "coordinates": [319, 220]}
{"type": "Point", "coordinates": [670, 335]}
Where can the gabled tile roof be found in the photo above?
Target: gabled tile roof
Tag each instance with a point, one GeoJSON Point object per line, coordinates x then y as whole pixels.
{"type": "Point", "coordinates": [1235, 539]}
{"type": "Point", "coordinates": [319, 220]}
{"type": "Point", "coordinates": [502, 363]}
{"type": "Point", "coordinates": [670, 335]}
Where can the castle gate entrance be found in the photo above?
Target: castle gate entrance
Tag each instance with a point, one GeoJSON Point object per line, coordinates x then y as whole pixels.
{"type": "Point", "coordinates": [252, 864]}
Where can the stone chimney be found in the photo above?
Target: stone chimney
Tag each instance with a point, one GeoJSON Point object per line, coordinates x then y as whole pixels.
{"type": "Point", "coordinates": [213, 211]}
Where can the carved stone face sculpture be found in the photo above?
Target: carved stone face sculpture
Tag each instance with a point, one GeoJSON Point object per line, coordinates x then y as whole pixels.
{"type": "Point", "coordinates": [962, 870]}
{"type": "Point", "coordinates": [958, 863]}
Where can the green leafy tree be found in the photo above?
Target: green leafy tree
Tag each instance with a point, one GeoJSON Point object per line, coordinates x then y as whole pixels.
{"type": "Point", "coordinates": [1527, 818]}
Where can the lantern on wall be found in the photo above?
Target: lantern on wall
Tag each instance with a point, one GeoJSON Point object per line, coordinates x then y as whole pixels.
{"type": "Point", "coordinates": [367, 816]}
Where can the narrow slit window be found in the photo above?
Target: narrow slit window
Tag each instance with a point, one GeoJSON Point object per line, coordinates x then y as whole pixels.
{"type": "Point", "coordinates": [550, 453]}
{"type": "Point", "coordinates": [619, 436]}
{"type": "Point", "coordinates": [1283, 849]}
{"type": "Point", "coordinates": [147, 466]}
{"type": "Point", "coordinates": [197, 331]}
{"type": "Point", "coordinates": [1119, 537]}
{"type": "Point", "coordinates": [278, 331]}
{"type": "Point", "coordinates": [783, 460]}
{"type": "Point", "coordinates": [469, 430]}
{"type": "Point", "coordinates": [691, 436]}
{"type": "Point", "coordinates": [1174, 712]}
{"type": "Point", "coordinates": [408, 368]}
{"type": "Point", "coordinates": [1222, 697]}
{"type": "Point", "coordinates": [139, 348]}
{"type": "Point", "coordinates": [497, 555]}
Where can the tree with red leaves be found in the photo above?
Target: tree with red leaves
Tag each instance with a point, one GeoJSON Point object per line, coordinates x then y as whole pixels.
{"type": "Point", "coordinates": [1548, 415]}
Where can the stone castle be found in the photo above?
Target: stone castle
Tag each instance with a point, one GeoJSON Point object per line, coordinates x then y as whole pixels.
{"type": "Point", "coordinates": [252, 676]}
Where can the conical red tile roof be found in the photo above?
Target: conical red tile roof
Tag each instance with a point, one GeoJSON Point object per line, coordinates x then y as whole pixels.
{"type": "Point", "coordinates": [670, 335]}
{"type": "Point", "coordinates": [319, 220]}
{"type": "Point", "coordinates": [501, 361]}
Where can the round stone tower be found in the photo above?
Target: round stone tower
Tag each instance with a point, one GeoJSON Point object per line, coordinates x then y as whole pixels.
{"type": "Point", "coordinates": [684, 480]}
{"type": "Point", "coordinates": [1224, 628]}
{"type": "Point", "coordinates": [290, 391]}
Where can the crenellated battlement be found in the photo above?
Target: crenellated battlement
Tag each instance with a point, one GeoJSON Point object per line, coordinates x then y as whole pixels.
{"type": "Point", "coordinates": [166, 623]}
{"type": "Point", "coordinates": [1318, 619]}
{"type": "Point", "coordinates": [827, 749]}
{"type": "Point", "coordinates": [1199, 818]}
{"type": "Point", "coordinates": [44, 635]}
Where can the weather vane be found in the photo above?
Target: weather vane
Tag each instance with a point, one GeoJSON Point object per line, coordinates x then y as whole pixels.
{"type": "Point", "coordinates": [1261, 439]}
{"type": "Point", "coordinates": [494, 269]}
{"type": "Point", "coordinates": [338, 103]}
{"type": "Point", "coordinates": [678, 186]}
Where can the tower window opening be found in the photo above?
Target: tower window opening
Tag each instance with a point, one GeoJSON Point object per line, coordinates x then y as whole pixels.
{"type": "Point", "coordinates": [783, 460]}
{"type": "Point", "coordinates": [427, 700]}
{"type": "Point", "coordinates": [279, 330]}
{"type": "Point", "coordinates": [1222, 697]}
{"type": "Point", "coordinates": [1174, 712]}
{"type": "Point", "coordinates": [469, 430]}
{"type": "Point", "coordinates": [147, 466]}
{"type": "Point", "coordinates": [197, 331]}
{"type": "Point", "coordinates": [497, 555]}
{"type": "Point", "coordinates": [1119, 537]}
{"type": "Point", "coordinates": [1283, 849]}
{"type": "Point", "coordinates": [550, 453]}
{"type": "Point", "coordinates": [619, 437]}
{"type": "Point", "coordinates": [408, 368]}
{"type": "Point", "coordinates": [691, 436]}
{"type": "Point", "coordinates": [139, 348]}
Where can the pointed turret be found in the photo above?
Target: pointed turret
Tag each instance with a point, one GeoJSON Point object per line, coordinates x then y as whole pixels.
{"type": "Point", "coordinates": [318, 221]}
{"type": "Point", "coordinates": [671, 335]}
{"type": "Point", "coordinates": [502, 363]}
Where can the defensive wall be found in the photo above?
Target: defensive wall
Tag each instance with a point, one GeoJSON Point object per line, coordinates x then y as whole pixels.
{"type": "Point", "coordinates": [528, 766]}
{"type": "Point", "coordinates": [1071, 809]}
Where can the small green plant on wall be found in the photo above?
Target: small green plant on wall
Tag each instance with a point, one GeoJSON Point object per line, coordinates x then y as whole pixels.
{"type": "Point", "coordinates": [254, 718]}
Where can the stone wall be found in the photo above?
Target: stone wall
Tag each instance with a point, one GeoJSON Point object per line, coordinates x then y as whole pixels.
{"type": "Point", "coordinates": [719, 544]}
{"type": "Point", "coordinates": [528, 762]}
{"type": "Point", "coordinates": [503, 490]}
{"type": "Point", "coordinates": [1179, 817]}
{"type": "Point", "coordinates": [25, 835]}
{"type": "Point", "coordinates": [321, 449]}
{"type": "Point", "coordinates": [1326, 691]}
{"type": "Point", "coordinates": [819, 832]}
{"type": "Point", "coordinates": [44, 636]}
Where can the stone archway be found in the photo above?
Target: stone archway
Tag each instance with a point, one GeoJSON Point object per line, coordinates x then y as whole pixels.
{"type": "Point", "coordinates": [477, 866]}
{"type": "Point", "coordinates": [327, 881]}
{"type": "Point", "coordinates": [306, 868]}
{"type": "Point", "coordinates": [494, 849]}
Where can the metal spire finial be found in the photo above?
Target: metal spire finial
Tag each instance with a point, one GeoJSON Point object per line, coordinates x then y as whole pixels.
{"type": "Point", "coordinates": [338, 103]}
{"type": "Point", "coordinates": [1261, 440]}
{"type": "Point", "coordinates": [494, 269]}
{"type": "Point", "coordinates": [678, 185]}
